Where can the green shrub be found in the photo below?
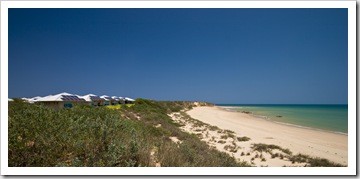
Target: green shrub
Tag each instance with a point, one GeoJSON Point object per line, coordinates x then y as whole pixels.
{"type": "Point", "coordinates": [229, 131]}
{"type": "Point", "coordinates": [243, 139]}
{"type": "Point", "coordinates": [281, 156]}
{"type": "Point", "coordinates": [81, 136]}
{"type": "Point", "coordinates": [321, 162]}
{"type": "Point", "coordinates": [274, 155]}
{"type": "Point", "coordinates": [213, 128]}
{"type": "Point", "coordinates": [314, 162]}
{"type": "Point", "coordinates": [101, 137]}
{"type": "Point", "coordinates": [268, 148]}
{"type": "Point", "coordinates": [230, 148]}
{"type": "Point", "coordinates": [223, 137]}
{"type": "Point", "coordinates": [299, 158]}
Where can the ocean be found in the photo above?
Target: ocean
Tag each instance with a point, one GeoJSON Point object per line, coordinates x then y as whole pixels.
{"type": "Point", "coordinates": [332, 118]}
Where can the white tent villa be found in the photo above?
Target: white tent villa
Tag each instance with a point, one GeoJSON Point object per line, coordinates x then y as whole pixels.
{"type": "Point", "coordinates": [93, 99]}
{"type": "Point", "coordinates": [62, 100]}
{"type": "Point", "coordinates": [129, 101]}
{"type": "Point", "coordinates": [32, 100]}
{"type": "Point", "coordinates": [115, 100]}
{"type": "Point", "coordinates": [107, 100]}
{"type": "Point", "coordinates": [121, 100]}
{"type": "Point", "coordinates": [118, 100]}
{"type": "Point", "coordinates": [68, 100]}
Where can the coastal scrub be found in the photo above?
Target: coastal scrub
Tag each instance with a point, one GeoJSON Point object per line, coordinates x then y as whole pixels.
{"type": "Point", "coordinates": [85, 136]}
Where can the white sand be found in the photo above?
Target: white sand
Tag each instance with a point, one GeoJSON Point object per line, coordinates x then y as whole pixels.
{"type": "Point", "coordinates": [315, 143]}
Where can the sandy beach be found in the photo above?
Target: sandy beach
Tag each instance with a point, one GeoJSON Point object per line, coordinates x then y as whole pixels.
{"type": "Point", "coordinates": [314, 143]}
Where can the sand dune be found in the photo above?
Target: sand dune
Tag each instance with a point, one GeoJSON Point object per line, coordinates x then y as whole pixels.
{"type": "Point", "coordinates": [315, 143]}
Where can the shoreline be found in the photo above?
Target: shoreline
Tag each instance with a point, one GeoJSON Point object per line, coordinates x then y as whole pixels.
{"type": "Point", "coordinates": [309, 128]}
{"type": "Point", "coordinates": [282, 123]}
{"type": "Point", "coordinates": [315, 143]}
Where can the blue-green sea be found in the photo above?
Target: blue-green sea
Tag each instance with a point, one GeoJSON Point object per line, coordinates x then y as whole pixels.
{"type": "Point", "coordinates": [332, 118]}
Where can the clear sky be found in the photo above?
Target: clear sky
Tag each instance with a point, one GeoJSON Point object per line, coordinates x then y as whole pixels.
{"type": "Point", "coordinates": [246, 56]}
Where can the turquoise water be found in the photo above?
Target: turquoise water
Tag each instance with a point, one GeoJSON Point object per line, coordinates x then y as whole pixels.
{"type": "Point", "coordinates": [325, 117]}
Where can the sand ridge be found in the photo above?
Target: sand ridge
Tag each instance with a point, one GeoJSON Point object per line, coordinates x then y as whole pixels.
{"type": "Point", "coordinates": [314, 143]}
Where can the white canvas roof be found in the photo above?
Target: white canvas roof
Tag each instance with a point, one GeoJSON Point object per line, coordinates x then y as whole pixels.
{"type": "Point", "coordinates": [115, 98]}
{"type": "Point", "coordinates": [60, 97]}
{"type": "Point", "coordinates": [73, 97]}
{"type": "Point", "coordinates": [106, 98]}
{"type": "Point", "coordinates": [26, 99]}
{"type": "Point", "coordinates": [129, 99]}
{"type": "Point", "coordinates": [33, 99]}
{"type": "Point", "coordinates": [88, 97]}
{"type": "Point", "coordinates": [9, 99]}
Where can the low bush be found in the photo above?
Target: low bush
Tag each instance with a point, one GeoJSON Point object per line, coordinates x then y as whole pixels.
{"type": "Point", "coordinates": [81, 136]}
{"type": "Point", "coordinates": [224, 137]}
{"type": "Point", "coordinates": [100, 137]}
{"type": "Point", "coordinates": [243, 139]}
{"type": "Point", "coordinates": [213, 128]}
{"type": "Point", "coordinates": [299, 158]}
{"type": "Point", "coordinates": [230, 148]}
{"type": "Point", "coordinates": [275, 155]}
{"type": "Point", "coordinates": [268, 148]}
{"type": "Point", "coordinates": [229, 131]}
{"type": "Point", "coordinates": [314, 162]}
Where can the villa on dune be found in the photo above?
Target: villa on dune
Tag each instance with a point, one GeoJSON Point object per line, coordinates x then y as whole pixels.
{"type": "Point", "coordinates": [67, 100]}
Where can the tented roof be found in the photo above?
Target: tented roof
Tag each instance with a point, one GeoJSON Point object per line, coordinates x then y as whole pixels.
{"type": "Point", "coordinates": [61, 97]}
{"type": "Point", "coordinates": [33, 99]}
{"type": "Point", "coordinates": [115, 98]}
{"type": "Point", "coordinates": [129, 99]}
{"type": "Point", "coordinates": [73, 97]}
{"type": "Point", "coordinates": [91, 97]}
{"type": "Point", "coordinates": [106, 98]}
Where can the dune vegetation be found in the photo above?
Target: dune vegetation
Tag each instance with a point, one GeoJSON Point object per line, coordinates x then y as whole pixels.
{"type": "Point", "coordinates": [142, 134]}
{"type": "Point", "coordinates": [138, 135]}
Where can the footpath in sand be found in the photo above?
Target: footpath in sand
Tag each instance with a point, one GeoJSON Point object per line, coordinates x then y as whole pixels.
{"type": "Point", "coordinates": [235, 133]}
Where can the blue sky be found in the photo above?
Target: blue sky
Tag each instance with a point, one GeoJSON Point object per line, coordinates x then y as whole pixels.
{"type": "Point", "coordinates": [248, 56]}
